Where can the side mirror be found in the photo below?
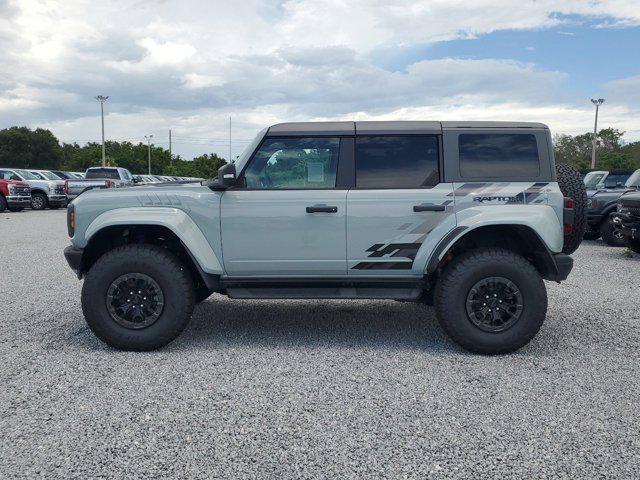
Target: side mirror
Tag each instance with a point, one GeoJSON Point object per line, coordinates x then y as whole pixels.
{"type": "Point", "coordinates": [227, 175]}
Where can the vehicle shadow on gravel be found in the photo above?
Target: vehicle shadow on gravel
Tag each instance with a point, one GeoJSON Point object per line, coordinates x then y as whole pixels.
{"type": "Point", "coordinates": [403, 325]}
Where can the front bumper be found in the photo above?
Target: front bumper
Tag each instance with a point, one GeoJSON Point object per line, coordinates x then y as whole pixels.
{"type": "Point", "coordinates": [629, 225]}
{"type": "Point", "coordinates": [18, 200]}
{"type": "Point", "coordinates": [73, 255]}
{"type": "Point", "coordinates": [57, 199]}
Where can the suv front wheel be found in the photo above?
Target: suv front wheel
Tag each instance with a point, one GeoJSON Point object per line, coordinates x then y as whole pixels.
{"type": "Point", "coordinates": [138, 297]}
{"type": "Point", "coordinates": [490, 301]}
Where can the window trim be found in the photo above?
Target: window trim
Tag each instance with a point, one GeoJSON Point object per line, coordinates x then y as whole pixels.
{"type": "Point", "coordinates": [241, 176]}
{"type": "Point", "coordinates": [452, 162]}
{"type": "Point", "coordinates": [440, 162]}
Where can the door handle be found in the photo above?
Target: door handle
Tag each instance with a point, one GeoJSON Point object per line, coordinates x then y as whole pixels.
{"type": "Point", "coordinates": [322, 209]}
{"type": "Point", "coordinates": [428, 208]}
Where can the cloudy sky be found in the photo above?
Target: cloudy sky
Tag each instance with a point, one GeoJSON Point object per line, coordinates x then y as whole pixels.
{"type": "Point", "coordinates": [189, 65]}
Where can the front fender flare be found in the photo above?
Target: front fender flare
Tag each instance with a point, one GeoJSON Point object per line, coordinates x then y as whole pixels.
{"type": "Point", "coordinates": [176, 220]}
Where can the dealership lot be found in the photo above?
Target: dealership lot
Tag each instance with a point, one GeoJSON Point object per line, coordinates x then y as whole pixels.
{"type": "Point", "coordinates": [321, 388]}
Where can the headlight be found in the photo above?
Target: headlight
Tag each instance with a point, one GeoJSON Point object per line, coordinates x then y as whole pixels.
{"type": "Point", "coordinates": [592, 203]}
{"type": "Point", "coordinates": [12, 188]}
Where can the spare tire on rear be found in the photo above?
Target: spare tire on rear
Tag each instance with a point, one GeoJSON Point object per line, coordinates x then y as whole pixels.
{"type": "Point", "coordinates": [572, 186]}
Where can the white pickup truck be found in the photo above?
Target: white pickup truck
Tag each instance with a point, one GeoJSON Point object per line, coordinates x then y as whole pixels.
{"type": "Point", "coordinates": [98, 177]}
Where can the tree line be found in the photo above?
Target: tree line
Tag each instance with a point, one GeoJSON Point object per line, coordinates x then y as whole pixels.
{"type": "Point", "coordinates": [22, 147]}
{"type": "Point", "coordinates": [611, 151]}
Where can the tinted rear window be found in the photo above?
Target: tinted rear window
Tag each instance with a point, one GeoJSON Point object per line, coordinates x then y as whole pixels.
{"type": "Point", "coordinates": [498, 155]}
{"type": "Point", "coordinates": [396, 162]}
{"type": "Point", "coordinates": [110, 173]}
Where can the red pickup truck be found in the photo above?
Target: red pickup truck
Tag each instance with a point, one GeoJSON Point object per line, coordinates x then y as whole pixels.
{"type": "Point", "coordinates": [14, 195]}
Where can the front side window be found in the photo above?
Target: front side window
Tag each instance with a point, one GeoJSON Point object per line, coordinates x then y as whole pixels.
{"type": "Point", "coordinates": [498, 155]}
{"type": "Point", "coordinates": [283, 163]}
{"type": "Point", "coordinates": [409, 161]}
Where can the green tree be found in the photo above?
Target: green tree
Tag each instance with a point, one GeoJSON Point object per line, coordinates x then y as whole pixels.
{"type": "Point", "coordinates": [22, 147]}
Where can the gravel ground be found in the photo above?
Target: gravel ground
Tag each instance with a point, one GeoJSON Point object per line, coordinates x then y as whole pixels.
{"type": "Point", "coordinates": [299, 389]}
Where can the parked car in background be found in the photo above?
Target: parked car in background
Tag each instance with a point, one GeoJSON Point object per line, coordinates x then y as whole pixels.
{"type": "Point", "coordinates": [627, 219]}
{"type": "Point", "coordinates": [599, 179]}
{"type": "Point", "coordinates": [99, 177]}
{"type": "Point", "coordinates": [600, 204]}
{"type": "Point", "coordinates": [44, 193]}
{"type": "Point", "coordinates": [62, 174]}
{"type": "Point", "coordinates": [144, 180]}
{"type": "Point", "coordinates": [14, 195]}
{"type": "Point", "coordinates": [77, 174]}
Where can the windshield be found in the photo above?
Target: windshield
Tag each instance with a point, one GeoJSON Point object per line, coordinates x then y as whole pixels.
{"type": "Point", "coordinates": [591, 179]}
{"type": "Point", "coordinates": [249, 149]}
{"type": "Point", "coordinates": [27, 175]}
{"type": "Point", "coordinates": [634, 179]}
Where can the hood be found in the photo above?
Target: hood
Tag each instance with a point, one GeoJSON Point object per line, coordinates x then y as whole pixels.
{"type": "Point", "coordinates": [44, 184]}
{"type": "Point", "coordinates": [18, 183]}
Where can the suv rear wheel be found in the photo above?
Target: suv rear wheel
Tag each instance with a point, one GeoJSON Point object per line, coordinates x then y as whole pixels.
{"type": "Point", "coordinates": [491, 301]}
{"type": "Point", "coordinates": [138, 297]}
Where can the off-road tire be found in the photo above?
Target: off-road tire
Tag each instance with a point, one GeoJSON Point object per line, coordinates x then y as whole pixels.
{"type": "Point", "coordinates": [3, 204]}
{"type": "Point", "coordinates": [165, 269]}
{"type": "Point", "coordinates": [572, 186]}
{"type": "Point", "coordinates": [590, 234]}
{"type": "Point", "coordinates": [633, 244]}
{"type": "Point", "coordinates": [457, 280]}
{"type": "Point", "coordinates": [608, 233]}
{"type": "Point", "coordinates": [39, 201]}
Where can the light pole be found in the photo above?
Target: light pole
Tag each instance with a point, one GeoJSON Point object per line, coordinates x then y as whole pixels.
{"type": "Point", "coordinates": [102, 99]}
{"type": "Point", "coordinates": [597, 103]}
{"type": "Point", "coordinates": [149, 137]}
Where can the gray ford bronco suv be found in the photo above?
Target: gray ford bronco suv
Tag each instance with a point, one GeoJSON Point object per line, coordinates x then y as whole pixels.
{"type": "Point", "coordinates": [467, 216]}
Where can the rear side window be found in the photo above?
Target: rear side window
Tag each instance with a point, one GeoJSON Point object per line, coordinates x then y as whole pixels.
{"type": "Point", "coordinates": [397, 162]}
{"type": "Point", "coordinates": [497, 155]}
{"type": "Point", "coordinates": [110, 173]}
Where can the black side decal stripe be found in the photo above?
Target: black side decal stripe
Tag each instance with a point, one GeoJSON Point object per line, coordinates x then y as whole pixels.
{"type": "Point", "coordinates": [383, 266]}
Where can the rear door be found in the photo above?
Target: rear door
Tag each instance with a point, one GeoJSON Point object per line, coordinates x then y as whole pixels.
{"type": "Point", "coordinates": [289, 218]}
{"type": "Point", "coordinates": [397, 206]}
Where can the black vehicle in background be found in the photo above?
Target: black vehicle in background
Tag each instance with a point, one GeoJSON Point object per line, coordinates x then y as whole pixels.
{"type": "Point", "coordinates": [627, 220]}
{"type": "Point", "coordinates": [602, 202]}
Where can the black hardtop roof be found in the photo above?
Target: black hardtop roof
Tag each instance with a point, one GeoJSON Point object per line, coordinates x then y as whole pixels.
{"type": "Point", "coordinates": [387, 127]}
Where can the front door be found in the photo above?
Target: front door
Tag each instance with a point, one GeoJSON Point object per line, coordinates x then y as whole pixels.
{"type": "Point", "coordinates": [397, 206]}
{"type": "Point", "coordinates": [287, 219]}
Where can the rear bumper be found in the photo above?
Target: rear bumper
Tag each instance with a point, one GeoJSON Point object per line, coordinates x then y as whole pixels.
{"type": "Point", "coordinates": [564, 265]}
{"type": "Point", "coordinates": [73, 255]}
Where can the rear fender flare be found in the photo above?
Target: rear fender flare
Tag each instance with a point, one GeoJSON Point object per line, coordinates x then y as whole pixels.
{"type": "Point", "coordinates": [542, 219]}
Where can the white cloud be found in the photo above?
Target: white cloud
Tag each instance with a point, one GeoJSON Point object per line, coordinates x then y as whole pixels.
{"type": "Point", "coordinates": [188, 65]}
